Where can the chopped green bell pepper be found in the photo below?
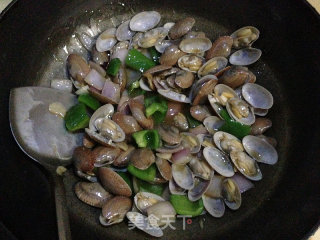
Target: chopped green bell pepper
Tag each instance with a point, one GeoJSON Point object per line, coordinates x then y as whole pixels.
{"type": "Point", "coordinates": [147, 138]}
{"type": "Point", "coordinates": [90, 101]}
{"type": "Point", "coordinates": [192, 122]}
{"type": "Point", "coordinates": [137, 61]}
{"type": "Point", "coordinates": [233, 127]}
{"type": "Point", "coordinates": [144, 186]}
{"type": "Point", "coordinates": [184, 206]}
{"type": "Point", "coordinates": [147, 175]}
{"type": "Point", "coordinates": [77, 118]}
{"type": "Point", "coordinates": [135, 90]}
{"type": "Point", "coordinates": [155, 55]}
{"type": "Point", "coordinates": [156, 107]}
{"type": "Point", "coordinates": [114, 66]}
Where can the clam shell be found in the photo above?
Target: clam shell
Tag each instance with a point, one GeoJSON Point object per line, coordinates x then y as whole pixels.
{"type": "Point", "coordinates": [213, 66]}
{"type": "Point", "coordinates": [142, 158]}
{"type": "Point", "coordinates": [236, 104]}
{"type": "Point", "coordinates": [219, 161]}
{"type": "Point", "coordinates": [200, 168]}
{"type": "Point", "coordinates": [257, 96]}
{"type": "Point", "coordinates": [199, 112]}
{"type": "Point", "coordinates": [213, 123]}
{"type": "Point", "coordinates": [181, 27]}
{"type": "Point", "coordinates": [106, 110]}
{"type": "Point", "coordinates": [183, 176]}
{"type": "Point", "coordinates": [236, 76]}
{"type": "Point", "coordinates": [123, 32]}
{"type": "Point", "coordinates": [161, 211]}
{"type": "Point", "coordinates": [175, 189]}
{"type": "Point", "coordinates": [195, 45]}
{"type": "Point", "coordinates": [144, 200]}
{"type": "Point", "coordinates": [106, 40]}
{"type": "Point", "coordinates": [220, 48]}
{"type": "Point", "coordinates": [190, 62]}
{"type": "Point", "coordinates": [173, 96]}
{"type": "Point", "coordinates": [260, 126]}
{"type": "Point", "coordinates": [245, 36]}
{"type": "Point", "coordinates": [223, 93]}
{"type": "Point", "coordinates": [198, 190]}
{"type": "Point", "coordinates": [152, 37]}
{"type": "Point", "coordinates": [144, 21]}
{"type": "Point", "coordinates": [231, 194]}
{"type": "Point", "coordinates": [164, 168]}
{"type": "Point", "coordinates": [214, 206]}
{"type": "Point", "coordinates": [226, 142]}
{"type": "Point", "coordinates": [260, 150]}
{"type": "Point", "coordinates": [190, 141]}
{"type": "Point", "coordinates": [246, 56]}
{"type": "Point", "coordinates": [104, 155]}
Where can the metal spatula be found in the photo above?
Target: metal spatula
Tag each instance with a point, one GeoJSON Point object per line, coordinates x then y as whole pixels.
{"type": "Point", "coordinates": [43, 137]}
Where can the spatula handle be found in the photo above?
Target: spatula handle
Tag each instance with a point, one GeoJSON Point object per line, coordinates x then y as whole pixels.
{"type": "Point", "coordinates": [64, 232]}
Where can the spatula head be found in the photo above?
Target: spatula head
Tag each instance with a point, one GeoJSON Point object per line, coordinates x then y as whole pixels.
{"type": "Point", "coordinates": [41, 134]}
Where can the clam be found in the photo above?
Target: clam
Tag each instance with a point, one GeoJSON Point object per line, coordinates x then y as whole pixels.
{"type": "Point", "coordinates": [184, 79]}
{"type": "Point", "coordinates": [195, 34]}
{"type": "Point", "coordinates": [245, 36]}
{"type": "Point", "coordinates": [144, 85]}
{"type": "Point", "coordinates": [171, 55]}
{"type": "Point", "coordinates": [242, 182]}
{"type": "Point", "coordinates": [83, 162]}
{"type": "Point", "coordinates": [183, 176]}
{"type": "Point", "coordinates": [141, 222]}
{"type": "Point", "coordinates": [138, 112]}
{"type": "Point", "coordinates": [100, 58]}
{"type": "Point", "coordinates": [86, 40]}
{"type": "Point", "coordinates": [88, 142]}
{"type": "Point", "coordinates": [212, 198]}
{"type": "Point", "coordinates": [162, 212]}
{"type": "Point", "coordinates": [113, 182]}
{"type": "Point", "coordinates": [164, 168]}
{"type": "Point", "coordinates": [135, 40]}
{"type": "Point", "coordinates": [120, 50]}
{"type": "Point", "coordinates": [227, 142]}
{"type": "Point", "coordinates": [181, 157]}
{"type": "Point", "coordinates": [121, 78]}
{"type": "Point", "coordinates": [198, 190]}
{"type": "Point", "coordinates": [231, 193]}
{"type": "Point", "coordinates": [181, 27]}
{"type": "Point", "coordinates": [173, 96]}
{"type": "Point", "coordinates": [223, 93]}
{"type": "Point", "coordinates": [217, 107]}
{"type": "Point", "coordinates": [77, 68]}
{"type": "Point", "coordinates": [144, 21]}
{"type": "Point", "coordinates": [109, 129]}
{"type": "Point", "coordinates": [212, 66]}
{"type": "Point", "coordinates": [175, 189]}
{"type": "Point", "coordinates": [260, 126]}
{"type": "Point", "coordinates": [240, 111]}
{"type": "Point", "coordinates": [190, 141]}
{"type": "Point", "coordinates": [245, 56]}
{"type": "Point", "coordinates": [200, 168]}
{"type": "Point", "coordinates": [106, 40]}
{"type": "Point", "coordinates": [169, 134]}
{"type": "Point", "coordinates": [144, 200]}
{"type": "Point", "coordinates": [142, 158]}
{"type": "Point", "coordinates": [114, 210]}
{"type": "Point", "coordinates": [190, 62]}
{"type": "Point", "coordinates": [199, 112]}
{"type": "Point", "coordinates": [236, 76]}
{"type": "Point", "coordinates": [246, 165]}
{"type": "Point", "coordinates": [123, 32]}
{"type": "Point", "coordinates": [127, 123]}
{"type": "Point", "coordinates": [213, 123]}
{"type": "Point", "coordinates": [200, 90]}
{"type": "Point", "coordinates": [162, 45]}
{"type": "Point", "coordinates": [195, 45]}
{"type": "Point", "coordinates": [260, 112]}
{"type": "Point", "coordinates": [92, 193]}
{"type": "Point", "coordinates": [260, 150]}
{"type": "Point", "coordinates": [220, 48]}
{"type": "Point", "coordinates": [219, 161]}
{"type": "Point", "coordinates": [104, 155]}
{"type": "Point", "coordinates": [269, 140]}
{"type": "Point", "coordinates": [151, 73]}
{"type": "Point", "coordinates": [123, 159]}
{"type": "Point", "coordinates": [181, 122]}
{"type": "Point", "coordinates": [257, 96]}
{"type": "Point", "coordinates": [205, 139]}
{"type": "Point", "coordinates": [170, 149]}
{"type": "Point", "coordinates": [168, 25]}
{"type": "Point", "coordinates": [152, 37]}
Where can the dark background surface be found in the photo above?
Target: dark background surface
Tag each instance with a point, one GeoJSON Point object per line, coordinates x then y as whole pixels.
{"type": "Point", "coordinates": [26, 202]}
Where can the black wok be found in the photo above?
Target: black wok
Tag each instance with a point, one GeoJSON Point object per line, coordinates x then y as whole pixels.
{"type": "Point", "coordinates": [284, 205]}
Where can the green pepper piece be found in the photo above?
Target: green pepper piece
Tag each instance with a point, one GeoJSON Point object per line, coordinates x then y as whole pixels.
{"type": "Point", "coordinates": [233, 127]}
{"type": "Point", "coordinates": [155, 55]}
{"type": "Point", "coordinates": [135, 90]}
{"type": "Point", "coordinates": [147, 175]}
{"type": "Point", "coordinates": [77, 118]}
{"type": "Point", "coordinates": [137, 61]}
{"type": "Point", "coordinates": [156, 106]}
{"type": "Point", "coordinates": [147, 138]}
{"type": "Point", "coordinates": [144, 186]}
{"type": "Point", "coordinates": [126, 178]}
{"type": "Point", "coordinates": [184, 206]}
{"type": "Point", "coordinates": [114, 66]}
{"type": "Point", "coordinates": [192, 122]}
{"type": "Point", "coordinates": [90, 101]}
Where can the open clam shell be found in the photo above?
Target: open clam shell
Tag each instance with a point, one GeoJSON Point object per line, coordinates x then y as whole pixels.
{"type": "Point", "coordinates": [213, 123]}
{"type": "Point", "coordinates": [231, 193]}
{"type": "Point", "coordinates": [219, 161]}
{"type": "Point", "coordinates": [190, 62]}
{"type": "Point", "coordinates": [214, 206]}
{"type": "Point", "coordinates": [257, 96]}
{"type": "Point", "coordinates": [198, 190]}
{"type": "Point", "coordinates": [227, 142]}
{"type": "Point", "coordinates": [240, 111]}
{"type": "Point", "coordinates": [152, 37]}
{"type": "Point", "coordinates": [200, 168]}
{"type": "Point", "coordinates": [223, 93]}
{"type": "Point", "coordinates": [106, 40]}
{"type": "Point", "coordinates": [173, 96]}
{"type": "Point", "coordinates": [245, 36]}
{"type": "Point", "coordinates": [246, 165]}
{"type": "Point", "coordinates": [161, 211]}
{"type": "Point", "coordinates": [189, 140]}
{"type": "Point", "coordinates": [175, 189]}
{"type": "Point", "coordinates": [123, 32]}
{"type": "Point", "coordinates": [246, 56]}
{"type": "Point", "coordinates": [195, 45]}
{"type": "Point", "coordinates": [213, 66]}
{"type": "Point", "coordinates": [260, 150]}
{"type": "Point", "coordinates": [144, 200]}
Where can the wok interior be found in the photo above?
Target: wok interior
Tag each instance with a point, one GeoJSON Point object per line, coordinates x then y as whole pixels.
{"type": "Point", "coordinates": [48, 48]}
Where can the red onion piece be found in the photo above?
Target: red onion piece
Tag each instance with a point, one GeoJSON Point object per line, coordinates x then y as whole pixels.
{"type": "Point", "coordinates": [243, 183]}
{"type": "Point", "coordinates": [111, 90]}
{"type": "Point", "coordinates": [95, 79]}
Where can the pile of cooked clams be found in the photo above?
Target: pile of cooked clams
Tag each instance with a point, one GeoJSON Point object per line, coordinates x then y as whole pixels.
{"type": "Point", "coordinates": [174, 121]}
